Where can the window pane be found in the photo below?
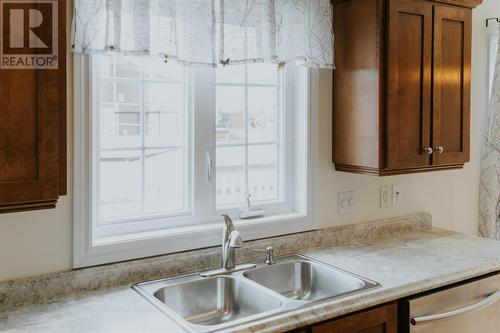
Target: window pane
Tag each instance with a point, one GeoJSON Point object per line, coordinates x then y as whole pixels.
{"type": "Point", "coordinates": [230, 117]}
{"type": "Point", "coordinates": [128, 92]}
{"type": "Point", "coordinates": [142, 137]}
{"type": "Point", "coordinates": [128, 67]}
{"type": "Point", "coordinates": [165, 180]}
{"type": "Point", "coordinates": [120, 184]}
{"type": "Point", "coordinates": [263, 74]}
{"type": "Point", "coordinates": [231, 74]}
{"type": "Point", "coordinates": [165, 111]}
{"type": "Point", "coordinates": [164, 96]}
{"type": "Point", "coordinates": [262, 114]}
{"type": "Point", "coordinates": [107, 92]}
{"type": "Point", "coordinates": [164, 129]}
{"type": "Point", "coordinates": [230, 188]}
{"type": "Point", "coordinates": [157, 69]}
{"type": "Point", "coordinates": [129, 123]}
{"type": "Point", "coordinates": [248, 113]}
{"type": "Point", "coordinates": [263, 177]}
{"type": "Point", "coordinates": [106, 66]}
{"type": "Point", "coordinates": [119, 129]}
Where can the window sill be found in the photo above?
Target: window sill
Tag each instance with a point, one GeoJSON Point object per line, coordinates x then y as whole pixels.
{"type": "Point", "coordinates": [146, 244]}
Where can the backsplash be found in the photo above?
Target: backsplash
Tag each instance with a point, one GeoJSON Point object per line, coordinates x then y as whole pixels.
{"type": "Point", "coordinates": [78, 282]}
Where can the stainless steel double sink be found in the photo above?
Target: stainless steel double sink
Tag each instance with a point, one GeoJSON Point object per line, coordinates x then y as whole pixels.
{"type": "Point", "coordinates": [206, 304]}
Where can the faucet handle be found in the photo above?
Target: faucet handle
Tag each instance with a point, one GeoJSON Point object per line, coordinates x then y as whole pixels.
{"type": "Point", "coordinates": [235, 239]}
{"type": "Point", "coordinates": [269, 255]}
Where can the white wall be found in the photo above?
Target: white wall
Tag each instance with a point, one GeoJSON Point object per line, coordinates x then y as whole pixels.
{"type": "Point", "coordinates": [35, 243]}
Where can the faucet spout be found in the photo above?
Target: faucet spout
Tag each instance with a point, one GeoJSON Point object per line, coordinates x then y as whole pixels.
{"type": "Point", "coordinates": [231, 240]}
{"type": "Point", "coordinates": [228, 227]}
{"type": "Point", "coordinates": [227, 220]}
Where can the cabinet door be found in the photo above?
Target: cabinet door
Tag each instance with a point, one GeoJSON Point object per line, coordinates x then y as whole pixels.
{"type": "Point", "coordinates": [378, 320]}
{"type": "Point", "coordinates": [32, 132]}
{"type": "Point", "coordinates": [29, 139]}
{"type": "Point", "coordinates": [409, 87]}
{"type": "Point", "coordinates": [451, 98]}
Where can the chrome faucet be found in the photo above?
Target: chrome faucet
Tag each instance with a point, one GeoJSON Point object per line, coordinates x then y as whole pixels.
{"type": "Point", "coordinates": [231, 240]}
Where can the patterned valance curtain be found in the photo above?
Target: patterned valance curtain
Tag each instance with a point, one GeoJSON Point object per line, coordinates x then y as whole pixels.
{"type": "Point", "coordinates": [181, 29]}
{"type": "Point", "coordinates": [208, 32]}
{"type": "Point", "coordinates": [277, 31]}
{"type": "Point", "coordinates": [489, 192]}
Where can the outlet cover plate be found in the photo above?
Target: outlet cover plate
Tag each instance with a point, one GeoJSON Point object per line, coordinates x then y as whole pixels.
{"type": "Point", "coordinates": [396, 195]}
{"type": "Point", "coordinates": [346, 202]}
{"type": "Point", "coordinates": [385, 196]}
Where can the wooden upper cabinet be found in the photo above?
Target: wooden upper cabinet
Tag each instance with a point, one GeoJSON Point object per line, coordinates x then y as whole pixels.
{"type": "Point", "coordinates": [33, 130]}
{"type": "Point", "coordinates": [401, 92]}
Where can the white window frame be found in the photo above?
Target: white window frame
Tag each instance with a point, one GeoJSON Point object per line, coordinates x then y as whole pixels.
{"type": "Point", "coordinates": [181, 236]}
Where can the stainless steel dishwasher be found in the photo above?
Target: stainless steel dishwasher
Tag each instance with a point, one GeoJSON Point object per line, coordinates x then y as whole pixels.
{"type": "Point", "coordinates": [472, 307]}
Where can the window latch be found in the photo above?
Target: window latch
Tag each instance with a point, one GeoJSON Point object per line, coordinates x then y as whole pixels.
{"type": "Point", "coordinates": [209, 165]}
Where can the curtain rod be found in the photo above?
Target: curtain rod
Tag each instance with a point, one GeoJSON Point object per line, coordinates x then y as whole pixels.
{"type": "Point", "coordinates": [491, 19]}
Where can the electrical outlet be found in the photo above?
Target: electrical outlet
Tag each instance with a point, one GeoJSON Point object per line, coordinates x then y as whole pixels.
{"type": "Point", "coordinates": [346, 202]}
{"type": "Point", "coordinates": [385, 196]}
{"type": "Point", "coordinates": [396, 195]}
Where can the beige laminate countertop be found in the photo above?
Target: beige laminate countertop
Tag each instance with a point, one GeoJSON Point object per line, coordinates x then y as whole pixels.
{"type": "Point", "coordinates": [404, 264]}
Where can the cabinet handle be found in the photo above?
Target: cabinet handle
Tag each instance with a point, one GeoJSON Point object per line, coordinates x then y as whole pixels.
{"type": "Point", "coordinates": [439, 149]}
{"type": "Point", "coordinates": [490, 300]}
{"type": "Point", "coordinates": [428, 150]}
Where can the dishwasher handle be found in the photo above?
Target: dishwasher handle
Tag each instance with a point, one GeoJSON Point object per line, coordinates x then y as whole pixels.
{"type": "Point", "coordinates": [493, 298]}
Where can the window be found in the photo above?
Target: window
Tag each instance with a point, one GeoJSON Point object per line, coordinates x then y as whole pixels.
{"type": "Point", "coordinates": [249, 141]}
{"type": "Point", "coordinates": [173, 147]}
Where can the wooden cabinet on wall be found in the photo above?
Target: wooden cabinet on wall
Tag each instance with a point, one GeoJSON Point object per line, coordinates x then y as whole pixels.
{"type": "Point", "coordinates": [383, 319]}
{"type": "Point", "coordinates": [33, 122]}
{"type": "Point", "coordinates": [401, 92]}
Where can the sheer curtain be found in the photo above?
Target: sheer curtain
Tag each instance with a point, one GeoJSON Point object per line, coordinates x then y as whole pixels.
{"type": "Point", "coordinates": [183, 30]}
{"type": "Point", "coordinates": [277, 31]}
{"type": "Point", "coordinates": [208, 32]}
{"type": "Point", "coordinates": [489, 192]}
